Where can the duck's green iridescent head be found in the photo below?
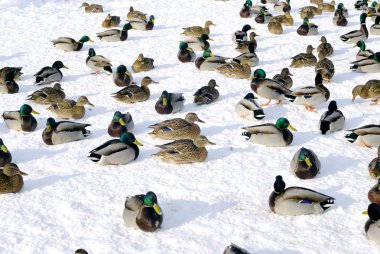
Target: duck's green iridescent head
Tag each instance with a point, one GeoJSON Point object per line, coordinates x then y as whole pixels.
{"type": "Point", "coordinates": [340, 6]}
{"type": "Point", "coordinates": [306, 21]}
{"type": "Point", "coordinates": [9, 77]}
{"type": "Point", "coordinates": [374, 4]}
{"type": "Point", "coordinates": [283, 123]}
{"type": "Point", "coordinates": [305, 156]}
{"type": "Point", "coordinates": [259, 74]}
{"type": "Point", "coordinates": [263, 11]}
{"type": "Point", "coordinates": [50, 124]}
{"type": "Point", "coordinates": [279, 184]}
{"type": "Point", "coordinates": [127, 27]}
{"type": "Point", "coordinates": [361, 45]}
{"type": "Point", "coordinates": [150, 200]}
{"type": "Point", "coordinates": [246, 28]}
{"type": "Point", "coordinates": [85, 38]}
{"type": "Point", "coordinates": [373, 212]}
{"type": "Point", "coordinates": [26, 110]}
{"type": "Point", "coordinates": [249, 2]}
{"type": "Point", "coordinates": [363, 17]}
{"type": "Point", "coordinates": [91, 52]}
{"type": "Point", "coordinates": [122, 69]}
{"type": "Point", "coordinates": [183, 46]}
{"type": "Point", "coordinates": [207, 53]}
{"type": "Point", "coordinates": [129, 138]}
{"type": "Point", "coordinates": [151, 19]}
{"type": "Point", "coordinates": [58, 65]}
{"type": "Point", "coordinates": [118, 118]}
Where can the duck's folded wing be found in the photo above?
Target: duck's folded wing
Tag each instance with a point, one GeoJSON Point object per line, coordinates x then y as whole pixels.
{"type": "Point", "coordinates": [11, 115]}
{"type": "Point", "coordinates": [367, 129]}
{"type": "Point", "coordinates": [109, 147]}
{"type": "Point", "coordinates": [109, 32]}
{"type": "Point", "coordinates": [309, 90]}
{"type": "Point", "coordinates": [70, 126]}
{"type": "Point", "coordinates": [176, 145]}
{"type": "Point", "coordinates": [64, 40]}
{"type": "Point", "coordinates": [267, 128]}
{"type": "Point", "coordinates": [44, 71]}
{"type": "Point", "coordinates": [300, 193]}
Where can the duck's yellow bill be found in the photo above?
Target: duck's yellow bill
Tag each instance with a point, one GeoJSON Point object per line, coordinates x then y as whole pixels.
{"type": "Point", "coordinates": [121, 121]}
{"type": "Point", "coordinates": [164, 101]}
{"type": "Point", "coordinates": [22, 173]}
{"type": "Point", "coordinates": [290, 127]}
{"type": "Point", "coordinates": [211, 39]}
{"type": "Point", "coordinates": [4, 148]}
{"type": "Point", "coordinates": [48, 128]}
{"type": "Point", "coordinates": [252, 78]}
{"type": "Point", "coordinates": [65, 67]}
{"type": "Point", "coordinates": [365, 212]}
{"type": "Point", "coordinates": [90, 40]}
{"type": "Point", "coordinates": [212, 54]}
{"type": "Point", "coordinates": [128, 73]}
{"type": "Point", "coordinates": [137, 143]}
{"type": "Point", "coordinates": [190, 49]}
{"type": "Point", "coordinates": [308, 162]}
{"type": "Point", "coordinates": [35, 112]}
{"type": "Point", "coordinates": [157, 208]}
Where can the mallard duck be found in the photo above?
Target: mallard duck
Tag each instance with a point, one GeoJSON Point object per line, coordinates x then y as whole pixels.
{"type": "Point", "coordinates": [268, 134]}
{"type": "Point", "coordinates": [341, 10]}
{"type": "Point", "coordinates": [255, 8]}
{"type": "Point", "coordinates": [263, 17]}
{"type": "Point", "coordinates": [48, 95]}
{"type": "Point", "coordinates": [92, 8]}
{"type": "Point", "coordinates": [177, 128]}
{"type": "Point", "coordinates": [249, 109]}
{"type": "Point", "coordinates": [111, 21]}
{"type": "Point", "coordinates": [120, 124]}
{"type": "Point", "coordinates": [304, 59]}
{"type": "Point", "coordinates": [307, 28]}
{"type": "Point", "coordinates": [134, 15]}
{"type": "Point", "coordinates": [97, 63]}
{"type": "Point", "coordinates": [285, 19]}
{"type": "Point", "coordinates": [69, 44]}
{"type": "Point", "coordinates": [361, 5]}
{"type": "Point", "coordinates": [197, 31]}
{"type": "Point", "coordinates": [268, 88]}
{"type": "Point", "coordinates": [56, 133]}
{"type": "Point", "coordinates": [240, 70]}
{"type": "Point", "coordinates": [81, 251]}
{"type": "Point", "coordinates": [143, 212]}
{"type": "Point", "coordinates": [116, 151]}
{"type": "Point", "coordinates": [325, 66]}
{"type": "Point", "coordinates": [370, 64]}
{"type": "Point", "coordinates": [284, 78]}
{"type": "Point", "coordinates": [372, 226]}
{"type": "Point", "coordinates": [374, 166]}
{"type": "Point", "coordinates": [206, 94]}
{"type": "Point", "coordinates": [275, 27]}
{"type": "Point", "coordinates": [363, 52]}
{"type": "Point", "coordinates": [367, 135]}
{"type": "Point", "coordinates": [340, 19]}
{"type": "Point", "coordinates": [305, 164]}
{"type": "Point", "coordinates": [198, 44]}
{"type": "Point", "coordinates": [142, 64]}
{"type": "Point", "coordinates": [169, 103]}
{"type": "Point", "coordinates": [241, 35]}
{"type": "Point", "coordinates": [209, 62]}
{"type": "Point", "coordinates": [8, 84]}
{"type": "Point", "coordinates": [329, 7]}
{"type": "Point", "coordinates": [332, 120]}
{"type": "Point", "coordinates": [310, 11]}
{"type": "Point", "coordinates": [5, 155]}
{"type": "Point", "coordinates": [11, 180]}
{"type": "Point", "coordinates": [143, 24]}
{"type": "Point", "coordinates": [374, 192]}
{"type": "Point", "coordinates": [234, 249]}
{"type": "Point", "coordinates": [246, 11]}
{"type": "Point", "coordinates": [49, 74]}
{"type": "Point", "coordinates": [184, 151]}
{"type": "Point", "coordinates": [370, 90]}
{"type": "Point", "coordinates": [70, 108]}
{"type": "Point", "coordinates": [373, 9]}
{"type": "Point", "coordinates": [375, 28]}
{"type": "Point", "coordinates": [310, 96]}
{"type": "Point", "coordinates": [282, 6]}
{"type": "Point", "coordinates": [185, 53]}
{"type": "Point", "coordinates": [250, 57]}
{"type": "Point", "coordinates": [294, 201]}
{"type": "Point", "coordinates": [122, 77]}
{"type": "Point", "coordinates": [357, 35]}
{"type": "Point", "coordinates": [325, 47]}
{"type": "Point", "coordinates": [243, 47]}
{"type": "Point", "coordinates": [134, 93]}
{"type": "Point", "coordinates": [115, 34]}
{"type": "Point", "coordinates": [21, 120]}
{"type": "Point", "coordinates": [16, 71]}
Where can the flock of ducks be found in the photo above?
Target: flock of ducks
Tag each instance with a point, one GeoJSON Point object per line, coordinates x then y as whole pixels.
{"type": "Point", "coordinates": [187, 144]}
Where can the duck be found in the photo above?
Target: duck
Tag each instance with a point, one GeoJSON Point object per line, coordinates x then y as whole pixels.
{"type": "Point", "coordinates": [120, 123]}
{"type": "Point", "coordinates": [310, 96]}
{"type": "Point", "coordinates": [373, 9]}
{"type": "Point", "coordinates": [240, 70]}
{"type": "Point", "coordinates": [21, 120]}
{"type": "Point", "coordinates": [177, 128]}
{"type": "Point", "coordinates": [112, 35]}
{"type": "Point", "coordinates": [370, 90]}
{"type": "Point", "coordinates": [169, 103]}
{"type": "Point", "coordinates": [8, 84]}
{"type": "Point", "coordinates": [284, 78]}
{"type": "Point", "coordinates": [370, 64]}
{"type": "Point", "coordinates": [263, 17]}
{"type": "Point", "coordinates": [374, 167]}
{"type": "Point", "coordinates": [116, 151]}
{"type": "Point", "coordinates": [80, 251]}
{"type": "Point", "coordinates": [357, 35]}
{"type": "Point", "coordinates": [372, 226]}
{"type": "Point", "coordinates": [316, 2]}
{"type": "Point", "coordinates": [305, 164]}
{"type": "Point", "coordinates": [16, 71]}
{"type": "Point", "coordinates": [11, 179]}
{"type": "Point", "coordinates": [185, 53]}
{"type": "Point", "coordinates": [97, 63]}
{"type": "Point", "coordinates": [375, 28]}
{"type": "Point", "coordinates": [246, 11]}
{"type": "Point", "coordinates": [282, 6]}
{"type": "Point", "coordinates": [243, 47]}
{"type": "Point", "coordinates": [374, 193]}
{"type": "Point", "coordinates": [325, 66]}
{"type": "Point", "coordinates": [48, 95]}
{"type": "Point", "coordinates": [56, 133]}
{"type": "Point", "coordinates": [272, 135]}
{"type": "Point", "coordinates": [310, 11]}
{"type": "Point", "coordinates": [135, 93]}
{"type": "Point", "coordinates": [92, 8]}
{"type": "Point", "coordinates": [285, 19]}
{"type": "Point", "coordinates": [134, 15]}
{"type": "Point", "coordinates": [206, 94]}
{"type": "Point", "coordinates": [143, 212]}
{"type": "Point", "coordinates": [363, 53]}
{"type": "Point", "coordinates": [111, 21]}
{"type": "Point", "coordinates": [48, 75]}
{"type": "Point", "coordinates": [340, 9]}
{"type": "Point", "coordinates": [209, 62]}
{"type": "Point", "coordinates": [294, 201]}
{"type": "Point", "coordinates": [184, 151]}
{"type": "Point", "coordinates": [255, 8]}
{"type": "Point", "coordinates": [361, 5]}
{"type": "Point", "coordinates": [234, 249]}
{"type": "Point", "coordinates": [250, 57]}
{"type": "Point", "coordinates": [198, 44]}
{"type": "Point", "coordinates": [69, 44]}
{"type": "Point", "coordinates": [5, 155]}
{"type": "Point", "coordinates": [70, 108]}
{"type": "Point", "coordinates": [332, 120]}
{"type": "Point", "coordinates": [267, 88]}
{"type": "Point", "coordinates": [304, 59]}
{"type": "Point", "coordinates": [122, 77]}
{"type": "Point", "coordinates": [249, 109]}
{"type": "Point", "coordinates": [366, 136]}
{"type": "Point", "coordinates": [143, 24]}
{"type": "Point", "coordinates": [241, 35]}
{"type": "Point", "coordinates": [307, 28]}
{"type": "Point", "coordinates": [142, 64]}
{"type": "Point", "coordinates": [197, 31]}
{"type": "Point", "coordinates": [340, 20]}
{"type": "Point", "coordinates": [275, 27]}
{"type": "Point", "coordinates": [325, 47]}
{"type": "Point", "coordinates": [329, 7]}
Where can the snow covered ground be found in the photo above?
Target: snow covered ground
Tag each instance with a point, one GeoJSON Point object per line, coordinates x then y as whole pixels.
{"type": "Point", "coordinates": [68, 202]}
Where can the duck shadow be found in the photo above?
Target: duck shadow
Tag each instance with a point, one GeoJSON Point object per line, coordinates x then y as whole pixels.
{"type": "Point", "coordinates": [343, 102]}
{"type": "Point", "coordinates": [26, 155]}
{"type": "Point", "coordinates": [300, 138]}
{"type": "Point", "coordinates": [212, 130]}
{"type": "Point", "coordinates": [283, 251]}
{"type": "Point", "coordinates": [15, 55]}
{"type": "Point", "coordinates": [223, 152]}
{"type": "Point", "coordinates": [165, 66]}
{"type": "Point", "coordinates": [344, 200]}
{"type": "Point", "coordinates": [333, 164]}
{"type": "Point", "coordinates": [73, 77]}
{"type": "Point", "coordinates": [185, 211]}
{"type": "Point", "coordinates": [46, 181]}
